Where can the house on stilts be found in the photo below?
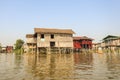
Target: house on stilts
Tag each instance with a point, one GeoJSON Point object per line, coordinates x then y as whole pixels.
{"type": "Point", "coordinates": [111, 42]}
{"type": "Point", "coordinates": [82, 43]}
{"type": "Point", "coordinates": [50, 40]}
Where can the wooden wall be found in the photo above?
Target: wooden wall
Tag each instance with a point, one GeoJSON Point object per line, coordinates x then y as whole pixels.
{"type": "Point", "coordinates": [61, 40]}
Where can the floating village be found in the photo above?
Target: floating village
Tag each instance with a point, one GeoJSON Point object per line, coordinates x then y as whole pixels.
{"type": "Point", "coordinates": [50, 40]}
{"type": "Point", "coordinates": [56, 54]}
{"type": "Point", "coordinates": [59, 40]}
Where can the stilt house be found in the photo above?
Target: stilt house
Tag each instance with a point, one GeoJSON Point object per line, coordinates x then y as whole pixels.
{"type": "Point", "coordinates": [46, 39]}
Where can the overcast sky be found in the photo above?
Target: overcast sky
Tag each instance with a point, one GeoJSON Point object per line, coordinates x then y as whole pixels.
{"type": "Point", "coordinates": [92, 18]}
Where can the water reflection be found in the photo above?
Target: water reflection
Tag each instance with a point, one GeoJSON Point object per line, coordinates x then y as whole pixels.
{"type": "Point", "coordinates": [83, 58]}
{"type": "Point", "coordinates": [113, 65]}
{"type": "Point", "coordinates": [83, 65]}
{"type": "Point", "coordinates": [54, 66]}
{"type": "Point", "coordinates": [10, 67]}
{"type": "Point", "coordinates": [77, 66]}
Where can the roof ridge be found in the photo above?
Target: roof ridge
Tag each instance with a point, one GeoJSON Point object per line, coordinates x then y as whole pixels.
{"type": "Point", "coordinates": [53, 30]}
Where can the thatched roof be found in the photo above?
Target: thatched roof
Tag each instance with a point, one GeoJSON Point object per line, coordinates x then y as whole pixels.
{"type": "Point", "coordinates": [81, 38]}
{"type": "Point", "coordinates": [48, 30]}
{"type": "Point", "coordinates": [29, 35]}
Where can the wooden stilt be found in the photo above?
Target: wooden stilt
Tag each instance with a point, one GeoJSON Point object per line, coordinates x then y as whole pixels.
{"type": "Point", "coordinates": [59, 50]}
{"type": "Point", "coordinates": [32, 48]}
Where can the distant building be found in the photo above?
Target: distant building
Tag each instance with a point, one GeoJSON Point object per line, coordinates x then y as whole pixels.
{"type": "Point", "coordinates": [45, 39]}
{"type": "Point", "coordinates": [9, 49]}
{"type": "Point", "coordinates": [111, 41]}
{"type": "Point", "coordinates": [3, 50]}
{"type": "Point", "coordinates": [82, 42]}
{"type": "Point", "coordinates": [96, 45]}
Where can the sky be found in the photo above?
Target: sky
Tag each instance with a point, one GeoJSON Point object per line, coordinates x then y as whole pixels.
{"type": "Point", "coordinates": [93, 18]}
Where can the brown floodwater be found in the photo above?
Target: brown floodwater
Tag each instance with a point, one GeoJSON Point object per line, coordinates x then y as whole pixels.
{"type": "Point", "coordinates": [77, 66]}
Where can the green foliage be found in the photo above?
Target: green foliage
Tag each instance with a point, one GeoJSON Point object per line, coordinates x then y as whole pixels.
{"type": "Point", "coordinates": [19, 51]}
{"type": "Point", "coordinates": [18, 46]}
{"type": "Point", "coordinates": [0, 47]}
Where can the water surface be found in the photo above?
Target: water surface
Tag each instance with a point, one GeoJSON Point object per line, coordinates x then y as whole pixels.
{"type": "Point", "coordinates": [77, 66]}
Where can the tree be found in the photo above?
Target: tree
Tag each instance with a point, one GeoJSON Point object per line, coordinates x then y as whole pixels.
{"type": "Point", "coordinates": [0, 47]}
{"type": "Point", "coordinates": [18, 46]}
